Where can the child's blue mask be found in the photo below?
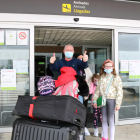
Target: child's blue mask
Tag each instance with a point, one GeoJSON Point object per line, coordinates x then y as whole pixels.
{"type": "Point", "coordinates": [108, 71]}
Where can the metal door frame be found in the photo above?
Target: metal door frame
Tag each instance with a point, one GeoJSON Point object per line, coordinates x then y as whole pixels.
{"type": "Point", "coordinates": [116, 48]}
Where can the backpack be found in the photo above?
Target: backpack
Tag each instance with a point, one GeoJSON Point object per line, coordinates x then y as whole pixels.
{"type": "Point", "coordinates": [70, 88]}
{"type": "Point", "coordinates": [46, 85]}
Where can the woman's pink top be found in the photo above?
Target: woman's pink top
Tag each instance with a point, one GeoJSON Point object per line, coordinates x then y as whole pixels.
{"type": "Point", "coordinates": [92, 89]}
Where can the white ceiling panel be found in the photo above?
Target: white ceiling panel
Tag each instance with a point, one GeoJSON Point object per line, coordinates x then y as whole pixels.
{"type": "Point", "coordinates": [74, 37]}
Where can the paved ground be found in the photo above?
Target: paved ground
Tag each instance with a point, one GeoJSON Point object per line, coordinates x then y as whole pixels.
{"type": "Point", "coordinates": [127, 132]}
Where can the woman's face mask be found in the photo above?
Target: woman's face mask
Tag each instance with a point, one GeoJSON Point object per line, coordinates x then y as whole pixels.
{"type": "Point", "coordinates": [108, 68]}
{"type": "Point", "coordinates": [108, 71]}
{"type": "Point", "coordinates": [69, 54]}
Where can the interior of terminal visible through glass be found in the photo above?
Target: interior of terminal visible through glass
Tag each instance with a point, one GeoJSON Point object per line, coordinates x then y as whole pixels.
{"type": "Point", "coordinates": [13, 57]}
{"type": "Point", "coordinates": [97, 43]}
{"type": "Point", "coordinates": [129, 62]}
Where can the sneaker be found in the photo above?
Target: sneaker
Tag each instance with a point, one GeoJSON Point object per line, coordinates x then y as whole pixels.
{"type": "Point", "coordinates": [87, 133]}
{"type": "Point", "coordinates": [96, 132]}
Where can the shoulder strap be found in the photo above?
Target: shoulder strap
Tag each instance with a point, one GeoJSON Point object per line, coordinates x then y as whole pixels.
{"type": "Point", "coordinates": [75, 90]}
{"type": "Point", "coordinates": [58, 90]}
{"type": "Point", "coordinates": [64, 89]}
{"type": "Point", "coordinates": [70, 88]}
{"type": "Point", "coordinates": [109, 84]}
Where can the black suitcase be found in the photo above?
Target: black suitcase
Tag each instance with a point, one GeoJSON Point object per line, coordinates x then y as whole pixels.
{"type": "Point", "coordinates": [29, 129]}
{"type": "Point", "coordinates": [61, 108]}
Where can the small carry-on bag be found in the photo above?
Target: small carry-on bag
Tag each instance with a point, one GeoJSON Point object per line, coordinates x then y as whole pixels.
{"type": "Point", "coordinates": [101, 101]}
{"type": "Point", "coordinates": [29, 129]}
{"type": "Point", "coordinates": [54, 108]}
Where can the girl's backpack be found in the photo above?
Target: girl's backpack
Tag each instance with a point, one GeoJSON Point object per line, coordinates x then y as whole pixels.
{"type": "Point", "coordinates": [46, 85]}
{"type": "Point", "coordinates": [70, 88]}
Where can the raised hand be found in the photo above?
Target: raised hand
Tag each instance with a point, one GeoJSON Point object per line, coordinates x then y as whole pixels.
{"type": "Point", "coordinates": [52, 59]}
{"type": "Point", "coordinates": [85, 57]}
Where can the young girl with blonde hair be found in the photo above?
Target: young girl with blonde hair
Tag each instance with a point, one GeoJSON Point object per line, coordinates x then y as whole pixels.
{"type": "Point", "coordinates": [109, 86]}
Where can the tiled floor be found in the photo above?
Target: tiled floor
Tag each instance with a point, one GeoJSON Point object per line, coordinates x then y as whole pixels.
{"type": "Point", "coordinates": [126, 132]}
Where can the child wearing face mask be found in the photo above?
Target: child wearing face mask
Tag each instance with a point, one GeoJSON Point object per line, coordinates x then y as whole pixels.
{"type": "Point", "coordinates": [110, 87]}
{"type": "Point", "coordinates": [96, 111]}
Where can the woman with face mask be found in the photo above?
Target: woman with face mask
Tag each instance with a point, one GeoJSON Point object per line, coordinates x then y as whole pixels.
{"type": "Point", "coordinates": [109, 86]}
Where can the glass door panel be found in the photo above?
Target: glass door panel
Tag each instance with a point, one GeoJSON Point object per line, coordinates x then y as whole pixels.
{"type": "Point", "coordinates": [96, 58]}
{"type": "Point", "coordinates": [129, 70]}
{"type": "Point", "coordinates": [14, 57]}
{"type": "Point", "coordinates": [42, 67]}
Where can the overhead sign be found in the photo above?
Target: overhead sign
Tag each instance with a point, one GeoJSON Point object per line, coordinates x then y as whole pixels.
{"type": "Point", "coordinates": [77, 7]}
{"type": "Point", "coordinates": [89, 8]}
{"type": "Point", "coordinates": [22, 38]}
{"type": "Point", "coordinates": [66, 8]}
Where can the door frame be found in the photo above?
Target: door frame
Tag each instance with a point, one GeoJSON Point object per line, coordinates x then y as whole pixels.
{"type": "Point", "coordinates": [31, 59]}
{"type": "Point", "coordinates": [116, 46]}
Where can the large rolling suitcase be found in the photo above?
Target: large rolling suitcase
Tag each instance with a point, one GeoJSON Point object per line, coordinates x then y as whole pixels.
{"type": "Point", "coordinates": [29, 129]}
{"type": "Point", "coordinates": [61, 108]}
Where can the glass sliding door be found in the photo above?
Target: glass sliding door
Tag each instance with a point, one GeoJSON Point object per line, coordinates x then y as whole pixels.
{"type": "Point", "coordinates": [15, 72]}
{"type": "Point", "coordinates": [128, 66]}
{"type": "Point", "coordinates": [97, 55]}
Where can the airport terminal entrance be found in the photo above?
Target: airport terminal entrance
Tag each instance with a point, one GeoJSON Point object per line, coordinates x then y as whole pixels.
{"type": "Point", "coordinates": [97, 43]}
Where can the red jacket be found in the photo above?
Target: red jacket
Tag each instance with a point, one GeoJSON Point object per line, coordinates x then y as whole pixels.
{"type": "Point", "coordinates": [67, 75]}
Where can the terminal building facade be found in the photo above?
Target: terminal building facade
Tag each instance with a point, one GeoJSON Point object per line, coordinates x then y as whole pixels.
{"type": "Point", "coordinates": [31, 31]}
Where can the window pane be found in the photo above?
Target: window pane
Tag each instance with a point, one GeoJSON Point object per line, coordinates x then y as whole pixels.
{"type": "Point", "coordinates": [14, 55]}
{"type": "Point", "coordinates": [129, 62]}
